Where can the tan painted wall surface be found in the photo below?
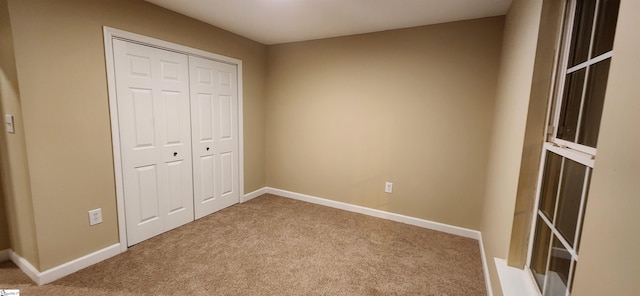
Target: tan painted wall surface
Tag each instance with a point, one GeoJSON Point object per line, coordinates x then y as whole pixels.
{"type": "Point", "coordinates": [512, 102]}
{"type": "Point", "coordinates": [609, 258]}
{"type": "Point", "coordinates": [61, 69]}
{"type": "Point", "coordinates": [5, 36]}
{"type": "Point", "coordinates": [411, 106]}
{"type": "Point", "coordinates": [5, 243]}
{"type": "Point", "coordinates": [15, 177]}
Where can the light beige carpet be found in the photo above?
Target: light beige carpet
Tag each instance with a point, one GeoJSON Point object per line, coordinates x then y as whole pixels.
{"type": "Point", "coordinates": [277, 246]}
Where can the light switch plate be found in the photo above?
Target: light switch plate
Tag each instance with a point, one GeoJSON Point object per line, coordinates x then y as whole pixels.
{"type": "Point", "coordinates": [8, 120]}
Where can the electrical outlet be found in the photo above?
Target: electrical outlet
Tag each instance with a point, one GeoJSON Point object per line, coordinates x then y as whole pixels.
{"type": "Point", "coordinates": [95, 216]}
{"type": "Point", "coordinates": [388, 187]}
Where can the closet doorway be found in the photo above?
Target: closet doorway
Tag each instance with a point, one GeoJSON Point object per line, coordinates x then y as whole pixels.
{"type": "Point", "coordinates": [176, 132]}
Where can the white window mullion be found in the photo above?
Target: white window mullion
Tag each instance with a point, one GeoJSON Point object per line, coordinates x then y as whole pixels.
{"type": "Point", "coordinates": [566, 45]}
{"type": "Point", "coordinates": [582, 96]}
{"type": "Point", "coordinates": [557, 197]}
{"type": "Point", "coordinates": [583, 201]}
{"type": "Point", "coordinates": [559, 236]}
{"type": "Point", "coordinates": [573, 154]}
{"type": "Point", "coordinates": [570, 278]}
{"type": "Point", "coordinates": [543, 160]}
{"type": "Point", "coordinates": [593, 29]}
{"type": "Point", "coordinates": [550, 249]}
{"type": "Point", "coordinates": [586, 74]}
{"type": "Point", "coordinates": [532, 279]}
{"type": "Point", "coordinates": [575, 146]}
{"type": "Point", "coordinates": [545, 283]}
{"type": "Point", "coordinates": [590, 62]}
{"type": "Point", "coordinates": [556, 84]}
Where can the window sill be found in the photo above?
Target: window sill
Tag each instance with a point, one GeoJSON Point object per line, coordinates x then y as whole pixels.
{"type": "Point", "coordinates": [514, 281]}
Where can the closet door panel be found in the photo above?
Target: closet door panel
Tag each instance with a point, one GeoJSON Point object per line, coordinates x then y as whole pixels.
{"type": "Point", "coordinates": [214, 124]}
{"type": "Point", "coordinates": [152, 88]}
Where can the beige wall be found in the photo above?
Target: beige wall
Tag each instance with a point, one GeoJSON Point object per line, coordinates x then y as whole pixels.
{"type": "Point", "coordinates": [411, 106]}
{"type": "Point", "coordinates": [15, 177]}
{"type": "Point", "coordinates": [61, 69]}
{"type": "Point", "coordinates": [609, 259]}
{"type": "Point", "coordinates": [5, 35]}
{"type": "Point", "coordinates": [512, 102]}
{"type": "Point", "coordinates": [5, 243]}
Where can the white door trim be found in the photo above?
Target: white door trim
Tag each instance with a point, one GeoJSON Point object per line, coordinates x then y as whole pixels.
{"type": "Point", "coordinates": [109, 35]}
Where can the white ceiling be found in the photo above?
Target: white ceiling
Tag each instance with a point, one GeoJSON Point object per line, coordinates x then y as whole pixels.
{"type": "Point", "coordinates": [281, 21]}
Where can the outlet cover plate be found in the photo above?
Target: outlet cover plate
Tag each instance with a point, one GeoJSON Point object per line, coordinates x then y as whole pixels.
{"type": "Point", "coordinates": [95, 216]}
{"type": "Point", "coordinates": [388, 187]}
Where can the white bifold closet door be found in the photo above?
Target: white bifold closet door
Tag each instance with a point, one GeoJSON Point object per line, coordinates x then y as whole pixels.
{"type": "Point", "coordinates": [155, 138]}
{"type": "Point", "coordinates": [178, 128]}
{"type": "Point", "coordinates": [214, 117]}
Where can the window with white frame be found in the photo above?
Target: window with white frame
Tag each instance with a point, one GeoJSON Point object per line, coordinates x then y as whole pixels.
{"type": "Point", "coordinates": [570, 150]}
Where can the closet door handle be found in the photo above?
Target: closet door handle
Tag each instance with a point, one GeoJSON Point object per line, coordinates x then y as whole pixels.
{"type": "Point", "coordinates": [207, 148]}
{"type": "Point", "coordinates": [175, 154]}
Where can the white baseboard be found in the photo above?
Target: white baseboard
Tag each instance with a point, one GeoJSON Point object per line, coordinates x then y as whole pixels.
{"type": "Point", "coordinates": [485, 268]}
{"type": "Point", "coordinates": [60, 271]}
{"type": "Point", "coordinates": [254, 194]}
{"type": "Point", "coordinates": [25, 266]}
{"type": "Point", "coordinates": [70, 267]}
{"type": "Point", "coordinates": [4, 255]}
{"type": "Point", "coordinates": [459, 231]}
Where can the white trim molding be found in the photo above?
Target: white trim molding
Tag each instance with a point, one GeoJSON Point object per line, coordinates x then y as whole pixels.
{"type": "Point", "coordinates": [60, 271]}
{"type": "Point", "coordinates": [437, 226]}
{"type": "Point", "coordinates": [514, 281]}
{"type": "Point", "coordinates": [459, 231]}
{"type": "Point", "coordinates": [25, 266]}
{"type": "Point", "coordinates": [485, 267]}
{"type": "Point", "coordinates": [251, 195]}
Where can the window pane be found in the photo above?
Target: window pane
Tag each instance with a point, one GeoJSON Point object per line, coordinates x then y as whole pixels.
{"type": "Point", "coordinates": [586, 197]}
{"type": "Point", "coordinates": [559, 267]}
{"type": "Point", "coordinates": [570, 110]}
{"type": "Point", "coordinates": [540, 251]}
{"type": "Point", "coordinates": [605, 26]}
{"type": "Point", "coordinates": [550, 179]}
{"type": "Point", "coordinates": [593, 102]}
{"type": "Point", "coordinates": [581, 36]}
{"type": "Point", "coordinates": [569, 199]}
{"type": "Point", "coordinates": [573, 275]}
